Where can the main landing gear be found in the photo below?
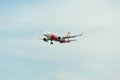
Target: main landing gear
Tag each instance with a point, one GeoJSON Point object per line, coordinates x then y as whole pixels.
{"type": "Point", "coordinates": [51, 42]}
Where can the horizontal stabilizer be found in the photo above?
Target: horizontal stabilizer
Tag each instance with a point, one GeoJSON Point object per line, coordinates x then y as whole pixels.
{"type": "Point", "coordinates": [73, 40]}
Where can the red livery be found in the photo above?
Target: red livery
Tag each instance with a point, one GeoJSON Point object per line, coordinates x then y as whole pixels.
{"type": "Point", "coordinates": [53, 37]}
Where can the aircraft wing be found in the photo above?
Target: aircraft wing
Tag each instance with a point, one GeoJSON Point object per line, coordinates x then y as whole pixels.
{"type": "Point", "coordinates": [72, 36]}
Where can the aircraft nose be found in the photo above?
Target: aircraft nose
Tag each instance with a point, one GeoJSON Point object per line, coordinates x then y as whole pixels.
{"type": "Point", "coordinates": [44, 34]}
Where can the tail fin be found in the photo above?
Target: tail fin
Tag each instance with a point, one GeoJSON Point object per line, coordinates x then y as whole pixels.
{"type": "Point", "coordinates": [68, 34]}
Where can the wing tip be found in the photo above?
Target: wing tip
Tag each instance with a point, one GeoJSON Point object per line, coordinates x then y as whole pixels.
{"type": "Point", "coordinates": [81, 34]}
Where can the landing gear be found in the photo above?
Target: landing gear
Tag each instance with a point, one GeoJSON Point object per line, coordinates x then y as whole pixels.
{"type": "Point", "coordinates": [51, 42]}
{"type": "Point", "coordinates": [61, 42]}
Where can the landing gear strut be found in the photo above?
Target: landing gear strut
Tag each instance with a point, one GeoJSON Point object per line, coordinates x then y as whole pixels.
{"type": "Point", "coordinates": [51, 42]}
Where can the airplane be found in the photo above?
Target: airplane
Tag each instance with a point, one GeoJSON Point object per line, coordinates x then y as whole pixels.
{"type": "Point", "coordinates": [54, 37]}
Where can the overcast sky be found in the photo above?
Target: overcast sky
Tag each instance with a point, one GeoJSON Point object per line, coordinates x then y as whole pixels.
{"type": "Point", "coordinates": [94, 56]}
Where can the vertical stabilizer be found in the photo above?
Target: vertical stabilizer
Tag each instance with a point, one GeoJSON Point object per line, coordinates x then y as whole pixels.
{"type": "Point", "coordinates": [68, 34]}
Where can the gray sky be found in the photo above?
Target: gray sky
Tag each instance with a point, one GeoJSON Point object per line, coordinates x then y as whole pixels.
{"type": "Point", "coordinates": [95, 56]}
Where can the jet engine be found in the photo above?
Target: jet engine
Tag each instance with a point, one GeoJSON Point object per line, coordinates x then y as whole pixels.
{"type": "Point", "coordinates": [60, 38]}
{"type": "Point", "coordinates": [45, 39]}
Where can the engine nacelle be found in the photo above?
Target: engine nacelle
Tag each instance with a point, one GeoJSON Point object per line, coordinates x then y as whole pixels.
{"type": "Point", "coordinates": [60, 38]}
{"type": "Point", "coordinates": [45, 39]}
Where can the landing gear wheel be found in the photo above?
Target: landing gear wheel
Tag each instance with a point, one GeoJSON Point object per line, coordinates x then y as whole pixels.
{"type": "Point", "coordinates": [51, 43]}
{"type": "Point", "coordinates": [61, 42]}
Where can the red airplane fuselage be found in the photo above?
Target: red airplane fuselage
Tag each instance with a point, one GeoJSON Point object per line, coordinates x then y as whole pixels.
{"type": "Point", "coordinates": [56, 38]}
{"type": "Point", "coordinates": [53, 37]}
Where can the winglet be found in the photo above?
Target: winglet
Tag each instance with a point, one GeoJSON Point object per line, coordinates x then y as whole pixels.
{"type": "Point", "coordinates": [81, 34]}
